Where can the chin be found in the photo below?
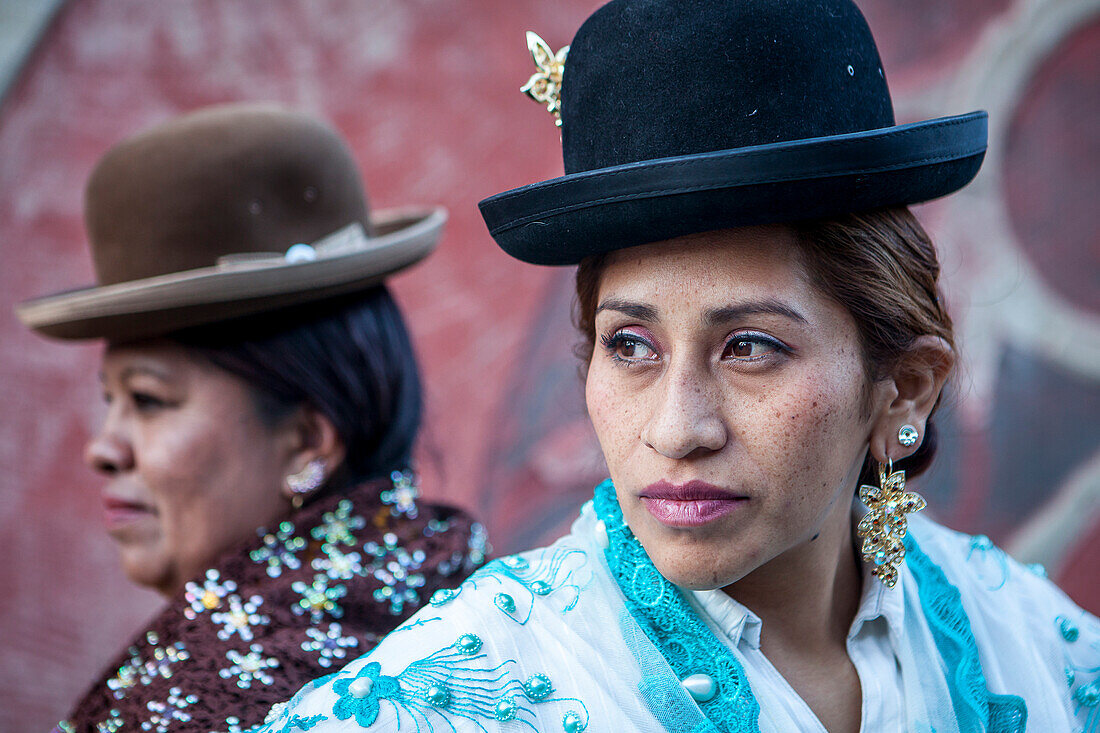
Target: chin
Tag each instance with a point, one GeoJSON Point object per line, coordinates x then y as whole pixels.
{"type": "Point", "coordinates": [701, 576]}
{"type": "Point", "coordinates": [141, 570]}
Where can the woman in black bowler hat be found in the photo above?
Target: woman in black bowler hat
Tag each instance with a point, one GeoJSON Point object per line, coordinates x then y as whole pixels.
{"type": "Point", "coordinates": [766, 346]}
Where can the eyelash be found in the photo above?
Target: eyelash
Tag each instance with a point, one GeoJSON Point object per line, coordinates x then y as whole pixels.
{"type": "Point", "coordinates": [613, 342]}
{"type": "Point", "coordinates": [756, 338]}
{"type": "Point", "coordinates": [145, 401]}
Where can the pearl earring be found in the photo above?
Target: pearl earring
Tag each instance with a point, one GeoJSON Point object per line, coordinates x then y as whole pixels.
{"type": "Point", "coordinates": [908, 435]}
{"type": "Point", "coordinates": [306, 481]}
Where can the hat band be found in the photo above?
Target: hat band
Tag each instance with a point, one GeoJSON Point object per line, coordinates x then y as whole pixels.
{"type": "Point", "coordinates": [905, 146]}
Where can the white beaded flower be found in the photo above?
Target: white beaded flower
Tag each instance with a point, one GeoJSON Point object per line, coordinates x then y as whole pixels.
{"type": "Point", "coordinates": [337, 527]}
{"type": "Point", "coordinates": [208, 596]}
{"type": "Point", "coordinates": [249, 668]}
{"type": "Point", "coordinates": [165, 714]}
{"type": "Point", "coordinates": [280, 550]}
{"type": "Point", "coordinates": [338, 565]}
{"type": "Point", "coordinates": [402, 497]}
{"type": "Point", "coordinates": [240, 617]}
{"type": "Point", "coordinates": [330, 645]}
{"type": "Point", "coordinates": [318, 598]}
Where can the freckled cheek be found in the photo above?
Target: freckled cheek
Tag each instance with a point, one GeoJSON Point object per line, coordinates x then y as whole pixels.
{"type": "Point", "coordinates": [619, 416]}
{"type": "Point", "coordinates": [789, 433]}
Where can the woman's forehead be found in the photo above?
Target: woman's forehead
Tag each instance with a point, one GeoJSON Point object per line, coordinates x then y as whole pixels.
{"type": "Point", "coordinates": [728, 264]}
{"type": "Point", "coordinates": [158, 358]}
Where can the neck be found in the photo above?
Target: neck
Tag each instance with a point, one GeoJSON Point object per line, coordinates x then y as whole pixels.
{"type": "Point", "coordinates": [807, 597]}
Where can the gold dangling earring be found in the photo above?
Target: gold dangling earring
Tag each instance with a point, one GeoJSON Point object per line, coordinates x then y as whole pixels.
{"type": "Point", "coordinates": [884, 527]}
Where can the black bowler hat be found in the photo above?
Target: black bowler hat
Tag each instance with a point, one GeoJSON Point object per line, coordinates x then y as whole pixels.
{"type": "Point", "coordinates": [684, 116]}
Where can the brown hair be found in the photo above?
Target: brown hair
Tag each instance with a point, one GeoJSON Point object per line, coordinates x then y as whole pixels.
{"type": "Point", "coordinates": [880, 265]}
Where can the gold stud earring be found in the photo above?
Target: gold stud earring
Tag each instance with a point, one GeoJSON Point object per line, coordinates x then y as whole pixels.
{"type": "Point", "coordinates": [306, 481]}
{"type": "Point", "coordinates": [884, 527]}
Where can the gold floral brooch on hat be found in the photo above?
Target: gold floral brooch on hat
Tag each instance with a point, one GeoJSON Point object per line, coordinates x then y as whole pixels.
{"type": "Point", "coordinates": [544, 86]}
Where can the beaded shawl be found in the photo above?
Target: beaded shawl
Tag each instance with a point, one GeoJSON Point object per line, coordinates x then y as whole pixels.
{"type": "Point", "coordinates": [293, 603]}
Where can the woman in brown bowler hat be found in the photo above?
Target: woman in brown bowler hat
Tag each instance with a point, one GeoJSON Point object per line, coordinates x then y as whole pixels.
{"type": "Point", "coordinates": [263, 400]}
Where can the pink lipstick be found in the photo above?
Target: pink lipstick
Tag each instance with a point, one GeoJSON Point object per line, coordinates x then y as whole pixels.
{"type": "Point", "coordinates": [690, 505]}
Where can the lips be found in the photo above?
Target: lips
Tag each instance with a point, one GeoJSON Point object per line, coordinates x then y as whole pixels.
{"type": "Point", "coordinates": [118, 512]}
{"type": "Point", "coordinates": [693, 504]}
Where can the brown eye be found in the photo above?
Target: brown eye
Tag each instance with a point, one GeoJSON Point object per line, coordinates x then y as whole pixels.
{"type": "Point", "coordinates": [625, 347]}
{"type": "Point", "coordinates": [146, 402]}
{"type": "Point", "coordinates": [750, 348]}
{"type": "Point", "coordinates": [741, 348]}
{"type": "Point", "coordinates": [630, 349]}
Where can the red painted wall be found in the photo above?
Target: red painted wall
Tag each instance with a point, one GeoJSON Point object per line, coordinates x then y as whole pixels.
{"type": "Point", "coordinates": [427, 94]}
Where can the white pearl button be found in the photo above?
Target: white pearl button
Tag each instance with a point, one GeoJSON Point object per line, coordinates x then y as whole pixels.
{"type": "Point", "coordinates": [601, 535]}
{"type": "Point", "coordinates": [361, 687]}
{"type": "Point", "coordinates": [701, 687]}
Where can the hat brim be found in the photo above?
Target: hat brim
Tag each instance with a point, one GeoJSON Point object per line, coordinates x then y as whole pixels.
{"type": "Point", "coordinates": [563, 220]}
{"type": "Point", "coordinates": [158, 305]}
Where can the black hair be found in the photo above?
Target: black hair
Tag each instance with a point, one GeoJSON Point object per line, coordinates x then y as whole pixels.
{"type": "Point", "coordinates": [350, 359]}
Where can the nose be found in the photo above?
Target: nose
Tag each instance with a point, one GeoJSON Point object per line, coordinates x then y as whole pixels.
{"type": "Point", "coordinates": [109, 451]}
{"type": "Point", "coordinates": [687, 418]}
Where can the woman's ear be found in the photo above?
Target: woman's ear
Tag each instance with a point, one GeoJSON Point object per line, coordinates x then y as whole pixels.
{"type": "Point", "coordinates": [911, 391]}
{"type": "Point", "coordinates": [313, 444]}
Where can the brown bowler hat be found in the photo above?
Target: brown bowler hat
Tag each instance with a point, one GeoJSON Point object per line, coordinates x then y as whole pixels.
{"type": "Point", "coordinates": [233, 210]}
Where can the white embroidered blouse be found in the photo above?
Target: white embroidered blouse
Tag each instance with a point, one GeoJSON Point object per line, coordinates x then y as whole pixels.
{"type": "Point", "coordinates": [555, 640]}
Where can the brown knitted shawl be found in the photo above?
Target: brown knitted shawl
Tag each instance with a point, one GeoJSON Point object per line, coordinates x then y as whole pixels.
{"type": "Point", "coordinates": [293, 604]}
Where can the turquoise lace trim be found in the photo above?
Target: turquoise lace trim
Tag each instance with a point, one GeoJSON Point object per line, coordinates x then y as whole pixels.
{"type": "Point", "coordinates": [976, 708]}
{"type": "Point", "coordinates": [690, 647]}
{"type": "Point", "coordinates": [673, 626]}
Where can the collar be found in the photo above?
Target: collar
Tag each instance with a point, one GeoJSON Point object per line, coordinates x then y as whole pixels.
{"type": "Point", "coordinates": [728, 618]}
{"type": "Point", "coordinates": [877, 601]}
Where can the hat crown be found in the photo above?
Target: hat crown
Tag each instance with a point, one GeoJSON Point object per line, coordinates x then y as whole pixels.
{"type": "Point", "coordinates": [224, 180]}
{"type": "Point", "coordinates": [649, 79]}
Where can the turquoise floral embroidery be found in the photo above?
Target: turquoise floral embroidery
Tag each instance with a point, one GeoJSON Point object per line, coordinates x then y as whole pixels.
{"type": "Point", "coordinates": [293, 724]}
{"type": "Point", "coordinates": [282, 718]}
{"type": "Point", "coordinates": [359, 695]}
{"type": "Point", "coordinates": [297, 722]}
{"type": "Point", "coordinates": [559, 572]}
{"type": "Point", "coordinates": [987, 551]}
{"type": "Point", "coordinates": [410, 624]}
{"type": "Point", "coordinates": [449, 684]}
{"type": "Point", "coordinates": [443, 596]}
{"type": "Point", "coordinates": [1083, 680]}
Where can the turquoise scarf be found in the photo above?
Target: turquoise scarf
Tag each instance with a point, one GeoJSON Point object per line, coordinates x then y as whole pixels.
{"type": "Point", "coordinates": [689, 646]}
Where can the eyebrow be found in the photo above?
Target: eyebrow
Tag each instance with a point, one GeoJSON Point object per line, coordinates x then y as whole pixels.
{"type": "Point", "coordinates": [718, 316]}
{"type": "Point", "coordinates": [712, 317]}
{"type": "Point", "coordinates": [131, 371]}
{"type": "Point", "coordinates": [635, 310]}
